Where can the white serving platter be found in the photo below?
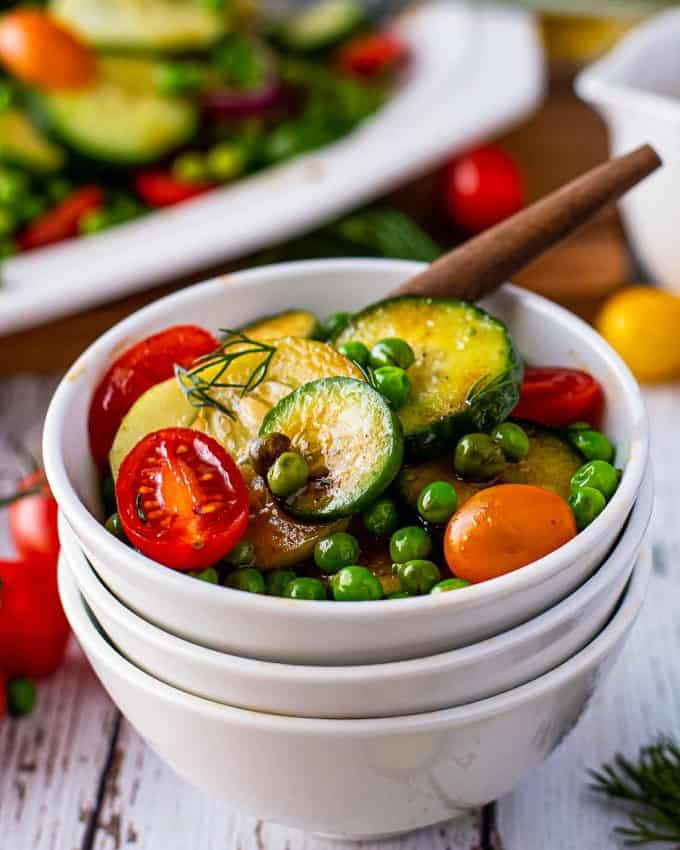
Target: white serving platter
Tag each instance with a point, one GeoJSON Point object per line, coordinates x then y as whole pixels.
{"type": "Point", "coordinates": [476, 68]}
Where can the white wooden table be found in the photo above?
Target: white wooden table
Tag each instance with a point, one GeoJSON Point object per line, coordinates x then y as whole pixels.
{"type": "Point", "coordinates": [75, 776]}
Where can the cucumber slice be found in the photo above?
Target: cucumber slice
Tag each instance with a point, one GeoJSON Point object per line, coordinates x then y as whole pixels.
{"type": "Point", "coordinates": [297, 323]}
{"type": "Point", "coordinates": [122, 119]}
{"type": "Point", "coordinates": [550, 463]}
{"type": "Point", "coordinates": [142, 24]}
{"type": "Point", "coordinates": [296, 362]}
{"type": "Point", "coordinates": [23, 145]}
{"type": "Point", "coordinates": [466, 376]}
{"type": "Point", "coordinates": [320, 26]}
{"type": "Point", "coordinates": [346, 429]}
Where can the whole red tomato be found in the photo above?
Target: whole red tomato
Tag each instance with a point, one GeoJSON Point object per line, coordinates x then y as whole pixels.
{"type": "Point", "coordinates": [33, 520]}
{"type": "Point", "coordinates": [482, 188]}
{"type": "Point", "coordinates": [33, 629]}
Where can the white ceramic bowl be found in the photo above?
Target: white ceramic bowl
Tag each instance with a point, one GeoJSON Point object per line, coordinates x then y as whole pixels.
{"type": "Point", "coordinates": [371, 690]}
{"type": "Point", "coordinates": [300, 631]}
{"type": "Point", "coordinates": [636, 88]}
{"type": "Point", "coordinates": [357, 778]}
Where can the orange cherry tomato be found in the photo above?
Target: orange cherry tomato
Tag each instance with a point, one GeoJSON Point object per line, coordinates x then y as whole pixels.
{"type": "Point", "coordinates": [37, 49]}
{"type": "Point", "coordinates": [505, 527]}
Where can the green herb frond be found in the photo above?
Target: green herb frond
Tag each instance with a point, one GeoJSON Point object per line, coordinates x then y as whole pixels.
{"type": "Point", "coordinates": [486, 385]}
{"type": "Point", "coordinates": [652, 786]}
{"type": "Point", "coordinates": [198, 389]}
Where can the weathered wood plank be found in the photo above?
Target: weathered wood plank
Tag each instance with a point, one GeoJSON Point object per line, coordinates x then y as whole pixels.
{"type": "Point", "coordinates": [50, 762]}
{"type": "Point", "coordinates": [641, 699]}
{"type": "Point", "coordinates": [147, 807]}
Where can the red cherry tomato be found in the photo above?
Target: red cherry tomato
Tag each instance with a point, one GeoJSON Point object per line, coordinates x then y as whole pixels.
{"type": "Point", "coordinates": [482, 188]}
{"type": "Point", "coordinates": [33, 629]}
{"type": "Point", "coordinates": [372, 54]}
{"type": "Point", "coordinates": [145, 364]}
{"type": "Point", "coordinates": [161, 189]}
{"type": "Point", "coordinates": [181, 498]}
{"type": "Point", "coordinates": [554, 396]}
{"type": "Point", "coordinates": [61, 222]}
{"type": "Point", "coordinates": [33, 520]}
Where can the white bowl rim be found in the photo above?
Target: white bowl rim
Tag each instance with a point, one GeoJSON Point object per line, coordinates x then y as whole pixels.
{"type": "Point", "coordinates": [613, 632]}
{"type": "Point", "coordinates": [91, 585]}
{"type": "Point", "coordinates": [109, 547]}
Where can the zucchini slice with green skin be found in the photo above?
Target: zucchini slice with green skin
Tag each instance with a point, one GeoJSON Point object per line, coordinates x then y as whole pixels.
{"type": "Point", "coordinates": [345, 429]}
{"type": "Point", "coordinates": [467, 373]}
{"type": "Point", "coordinates": [320, 26]}
{"type": "Point", "coordinates": [550, 463]}
{"type": "Point", "coordinates": [297, 323]}
{"type": "Point", "coordinates": [23, 145]}
{"type": "Point", "coordinates": [142, 24]}
{"type": "Point", "coordinates": [120, 120]}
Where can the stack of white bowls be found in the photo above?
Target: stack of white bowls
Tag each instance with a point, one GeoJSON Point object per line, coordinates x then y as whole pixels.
{"type": "Point", "coordinates": [352, 719]}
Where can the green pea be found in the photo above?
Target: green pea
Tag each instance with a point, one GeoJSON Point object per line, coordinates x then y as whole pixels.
{"type": "Point", "coordinates": [450, 584]}
{"type": "Point", "coordinates": [598, 474]}
{"type": "Point", "coordinates": [58, 188]}
{"type": "Point", "coordinates": [13, 186]}
{"type": "Point", "coordinates": [418, 576]}
{"type": "Point", "coordinates": [94, 221]}
{"type": "Point", "coordinates": [211, 576]}
{"type": "Point", "coordinates": [512, 439]}
{"type": "Point", "coordinates": [305, 588]}
{"type": "Point", "coordinates": [392, 352]}
{"type": "Point", "coordinates": [287, 474]}
{"type": "Point", "coordinates": [6, 95]}
{"type": "Point", "coordinates": [22, 695]}
{"type": "Point", "coordinates": [355, 584]}
{"type": "Point", "coordinates": [437, 502]}
{"type": "Point", "coordinates": [8, 222]}
{"type": "Point", "coordinates": [394, 384]}
{"type": "Point", "coordinates": [478, 458]}
{"type": "Point", "coordinates": [401, 595]}
{"type": "Point", "coordinates": [190, 167]}
{"type": "Point", "coordinates": [178, 78]}
{"type": "Point", "coordinates": [381, 518]}
{"type": "Point", "coordinates": [29, 207]}
{"type": "Point", "coordinates": [247, 579]}
{"type": "Point", "coordinates": [586, 503]}
{"type": "Point", "coordinates": [593, 445]}
{"type": "Point", "coordinates": [354, 350]}
{"type": "Point", "coordinates": [114, 526]}
{"type": "Point", "coordinates": [224, 162]}
{"type": "Point", "coordinates": [242, 555]}
{"type": "Point", "coordinates": [336, 323]}
{"type": "Point", "coordinates": [409, 544]}
{"type": "Point", "coordinates": [276, 581]}
{"type": "Point", "coordinates": [580, 426]}
{"type": "Point", "coordinates": [336, 551]}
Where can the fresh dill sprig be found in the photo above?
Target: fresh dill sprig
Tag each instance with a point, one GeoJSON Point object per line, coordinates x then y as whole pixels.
{"type": "Point", "coordinates": [197, 388]}
{"type": "Point", "coordinates": [486, 384]}
{"type": "Point", "coordinates": [652, 786]}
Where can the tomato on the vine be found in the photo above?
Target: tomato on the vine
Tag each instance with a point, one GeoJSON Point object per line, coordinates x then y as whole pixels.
{"type": "Point", "coordinates": [145, 364]}
{"type": "Point", "coordinates": [556, 396]}
{"type": "Point", "coordinates": [33, 520]}
{"type": "Point", "coordinates": [481, 188]}
{"type": "Point", "coordinates": [181, 498]}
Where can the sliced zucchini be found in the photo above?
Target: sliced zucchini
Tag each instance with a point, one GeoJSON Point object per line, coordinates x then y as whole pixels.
{"type": "Point", "coordinates": [466, 376]}
{"type": "Point", "coordinates": [345, 429]}
{"type": "Point", "coordinates": [297, 323]}
{"type": "Point", "coordinates": [122, 119]}
{"type": "Point", "coordinates": [23, 145]}
{"type": "Point", "coordinates": [550, 463]}
{"type": "Point", "coordinates": [320, 26]}
{"type": "Point", "coordinates": [295, 362]}
{"type": "Point", "coordinates": [168, 25]}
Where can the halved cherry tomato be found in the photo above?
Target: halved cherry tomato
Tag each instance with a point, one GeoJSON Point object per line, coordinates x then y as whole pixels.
{"type": "Point", "coordinates": [181, 498]}
{"type": "Point", "coordinates": [482, 188]}
{"type": "Point", "coordinates": [505, 527]}
{"type": "Point", "coordinates": [33, 629]}
{"type": "Point", "coordinates": [372, 54]}
{"type": "Point", "coordinates": [145, 364]}
{"type": "Point", "coordinates": [61, 222]}
{"type": "Point", "coordinates": [38, 50]}
{"type": "Point", "coordinates": [555, 396]}
{"type": "Point", "coordinates": [33, 520]}
{"type": "Point", "coordinates": [162, 189]}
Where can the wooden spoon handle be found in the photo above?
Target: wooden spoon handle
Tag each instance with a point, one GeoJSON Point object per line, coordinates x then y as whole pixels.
{"type": "Point", "coordinates": [482, 264]}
